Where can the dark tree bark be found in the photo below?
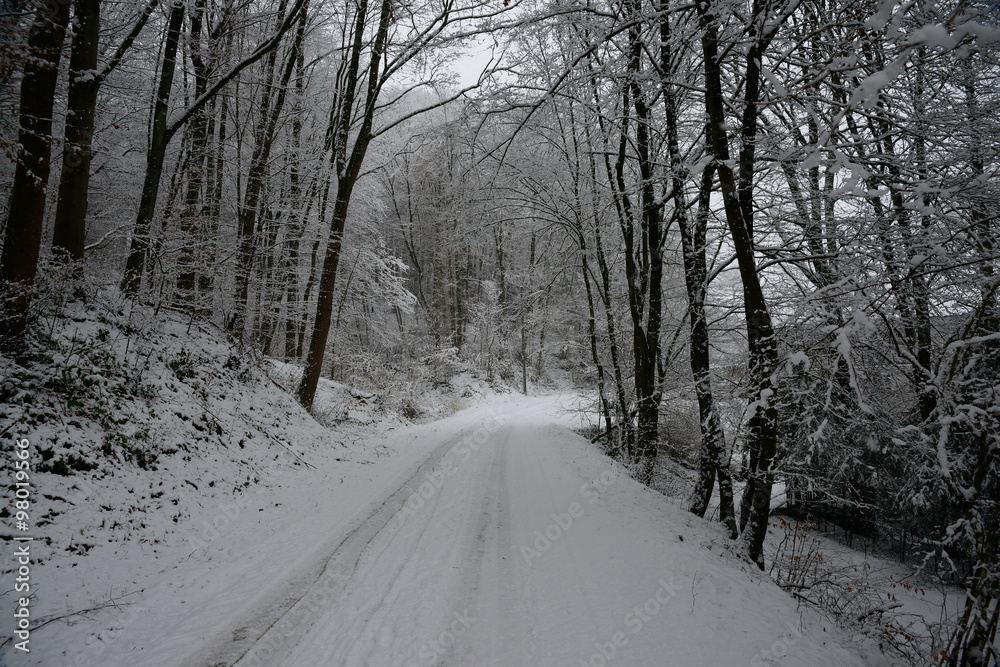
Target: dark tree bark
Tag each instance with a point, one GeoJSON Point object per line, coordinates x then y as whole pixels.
{"type": "Point", "coordinates": [294, 319]}
{"type": "Point", "coordinates": [269, 294]}
{"type": "Point", "coordinates": [625, 423]}
{"type": "Point", "coordinates": [581, 232]}
{"type": "Point", "coordinates": [592, 334]}
{"type": "Point", "coordinates": [85, 80]}
{"type": "Point", "coordinates": [139, 246]}
{"type": "Point", "coordinates": [212, 209]}
{"type": "Point", "coordinates": [267, 125]}
{"type": "Point", "coordinates": [762, 436]}
{"type": "Point", "coordinates": [644, 272]}
{"type": "Point", "coordinates": [23, 236]}
{"type": "Point", "coordinates": [525, 311]}
{"type": "Point", "coordinates": [162, 132]}
{"type": "Point", "coordinates": [70, 225]}
{"type": "Point", "coordinates": [347, 162]}
{"type": "Point", "coordinates": [714, 460]}
{"type": "Point", "coordinates": [190, 219]}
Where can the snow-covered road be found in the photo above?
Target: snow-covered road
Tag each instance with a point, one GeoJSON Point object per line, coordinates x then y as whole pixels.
{"type": "Point", "coordinates": [514, 543]}
{"type": "Point", "coordinates": [496, 537]}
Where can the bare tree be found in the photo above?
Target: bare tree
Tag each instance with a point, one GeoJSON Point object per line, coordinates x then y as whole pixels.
{"type": "Point", "coordinates": [374, 52]}
{"type": "Point", "coordinates": [22, 241]}
{"type": "Point", "coordinates": [85, 80]}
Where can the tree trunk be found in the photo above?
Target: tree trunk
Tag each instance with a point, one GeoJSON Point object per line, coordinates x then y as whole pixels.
{"type": "Point", "coordinates": [213, 210]}
{"type": "Point", "coordinates": [623, 211]}
{"type": "Point", "coordinates": [524, 356]}
{"type": "Point", "coordinates": [324, 298]}
{"type": "Point", "coordinates": [264, 138]}
{"type": "Point", "coordinates": [132, 278]}
{"type": "Point", "coordinates": [270, 291]}
{"type": "Point", "coordinates": [84, 84]}
{"type": "Point", "coordinates": [714, 460]}
{"type": "Point", "coordinates": [295, 320]}
{"type": "Point", "coordinates": [644, 277]}
{"type": "Point", "coordinates": [26, 211]}
{"type": "Point", "coordinates": [592, 334]}
{"type": "Point", "coordinates": [713, 441]}
{"type": "Point", "coordinates": [762, 436]}
{"type": "Point", "coordinates": [348, 168]}
{"type": "Point", "coordinates": [190, 219]}
{"type": "Point", "coordinates": [74, 185]}
{"type": "Point", "coordinates": [162, 132]}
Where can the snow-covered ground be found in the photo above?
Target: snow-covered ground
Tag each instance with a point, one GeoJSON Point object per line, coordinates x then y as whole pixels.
{"type": "Point", "coordinates": [494, 537]}
{"type": "Point", "coordinates": [893, 607]}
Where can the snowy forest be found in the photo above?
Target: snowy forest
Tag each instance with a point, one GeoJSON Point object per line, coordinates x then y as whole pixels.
{"type": "Point", "coordinates": [757, 240]}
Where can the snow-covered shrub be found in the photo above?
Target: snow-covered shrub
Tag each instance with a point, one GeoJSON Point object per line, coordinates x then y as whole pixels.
{"type": "Point", "coordinates": [90, 374]}
{"type": "Point", "coordinates": [849, 591]}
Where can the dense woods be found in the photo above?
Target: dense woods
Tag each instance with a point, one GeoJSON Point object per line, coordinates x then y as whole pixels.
{"type": "Point", "coordinates": [762, 234]}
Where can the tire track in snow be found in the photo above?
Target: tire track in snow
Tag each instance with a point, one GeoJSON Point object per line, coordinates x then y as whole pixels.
{"type": "Point", "coordinates": [405, 568]}
{"type": "Point", "coordinates": [291, 606]}
{"type": "Point", "coordinates": [390, 626]}
{"type": "Point", "coordinates": [553, 495]}
{"type": "Point", "coordinates": [506, 615]}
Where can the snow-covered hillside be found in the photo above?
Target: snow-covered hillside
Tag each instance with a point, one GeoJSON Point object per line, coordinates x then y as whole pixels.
{"type": "Point", "coordinates": [494, 537]}
{"type": "Point", "coordinates": [149, 434]}
{"type": "Point", "coordinates": [186, 511]}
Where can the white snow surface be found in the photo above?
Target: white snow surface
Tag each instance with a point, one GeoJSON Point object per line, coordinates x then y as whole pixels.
{"type": "Point", "coordinates": [496, 536]}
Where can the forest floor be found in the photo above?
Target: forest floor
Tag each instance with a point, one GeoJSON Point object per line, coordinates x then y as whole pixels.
{"type": "Point", "coordinates": [494, 537]}
{"type": "Point", "coordinates": [186, 511]}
